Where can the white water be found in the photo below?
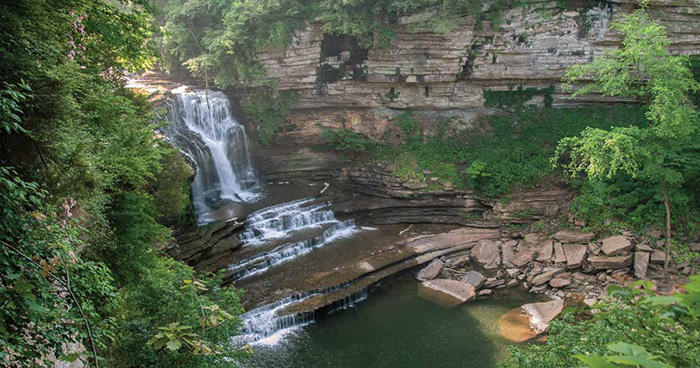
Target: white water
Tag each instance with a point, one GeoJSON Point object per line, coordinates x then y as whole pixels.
{"type": "Point", "coordinates": [204, 129]}
{"type": "Point", "coordinates": [279, 221]}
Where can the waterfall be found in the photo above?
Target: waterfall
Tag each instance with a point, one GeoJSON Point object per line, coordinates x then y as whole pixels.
{"type": "Point", "coordinates": [204, 129]}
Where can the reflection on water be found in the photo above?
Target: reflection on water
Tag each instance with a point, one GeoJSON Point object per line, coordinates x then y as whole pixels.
{"type": "Point", "coordinates": [396, 328]}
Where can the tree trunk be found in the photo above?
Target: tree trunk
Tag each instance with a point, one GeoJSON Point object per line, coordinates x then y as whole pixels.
{"type": "Point", "coordinates": [668, 225]}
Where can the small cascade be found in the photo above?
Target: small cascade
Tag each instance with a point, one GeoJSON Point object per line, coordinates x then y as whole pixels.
{"type": "Point", "coordinates": [285, 252]}
{"type": "Point", "coordinates": [280, 220]}
{"type": "Point", "coordinates": [204, 129]}
{"type": "Point", "coordinates": [265, 321]}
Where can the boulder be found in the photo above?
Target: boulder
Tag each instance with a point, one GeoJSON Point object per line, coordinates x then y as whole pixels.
{"type": "Point", "coordinates": [457, 261]}
{"type": "Point", "coordinates": [643, 248]}
{"type": "Point", "coordinates": [575, 254]}
{"type": "Point", "coordinates": [474, 279]}
{"type": "Point", "coordinates": [493, 282]}
{"type": "Point", "coordinates": [541, 314]}
{"type": "Point", "coordinates": [484, 292]}
{"type": "Point", "coordinates": [573, 236]}
{"type": "Point", "coordinates": [559, 256]}
{"type": "Point", "coordinates": [560, 280]}
{"type": "Point", "coordinates": [532, 239]}
{"type": "Point", "coordinates": [524, 256]}
{"type": "Point", "coordinates": [607, 263]}
{"type": "Point", "coordinates": [508, 254]}
{"type": "Point", "coordinates": [446, 293]}
{"type": "Point", "coordinates": [545, 251]}
{"type": "Point", "coordinates": [616, 245]}
{"type": "Point", "coordinates": [658, 257]}
{"type": "Point", "coordinates": [487, 253]}
{"type": "Point", "coordinates": [641, 263]}
{"type": "Point", "coordinates": [545, 276]}
{"type": "Point", "coordinates": [430, 271]}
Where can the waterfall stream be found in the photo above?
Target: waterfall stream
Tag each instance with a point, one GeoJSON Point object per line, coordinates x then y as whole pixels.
{"type": "Point", "coordinates": [204, 129]}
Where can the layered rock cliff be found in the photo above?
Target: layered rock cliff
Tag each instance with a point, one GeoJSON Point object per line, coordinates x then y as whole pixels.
{"type": "Point", "coordinates": [456, 75]}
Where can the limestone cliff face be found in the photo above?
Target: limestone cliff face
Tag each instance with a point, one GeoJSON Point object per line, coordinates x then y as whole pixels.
{"type": "Point", "coordinates": [446, 76]}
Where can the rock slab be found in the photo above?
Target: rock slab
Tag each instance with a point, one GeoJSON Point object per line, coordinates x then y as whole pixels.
{"type": "Point", "coordinates": [541, 314]}
{"type": "Point", "coordinates": [616, 245]}
{"type": "Point", "coordinates": [474, 279]}
{"type": "Point", "coordinates": [446, 293]}
{"type": "Point", "coordinates": [487, 253]}
{"type": "Point", "coordinates": [431, 271]}
{"type": "Point", "coordinates": [573, 236]}
{"type": "Point", "coordinates": [641, 262]}
{"type": "Point", "coordinates": [575, 254]}
{"type": "Point", "coordinates": [610, 263]}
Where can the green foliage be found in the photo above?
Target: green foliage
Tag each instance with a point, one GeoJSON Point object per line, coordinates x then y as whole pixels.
{"type": "Point", "coordinates": [517, 98]}
{"type": "Point", "coordinates": [268, 112]}
{"type": "Point", "coordinates": [345, 140]}
{"type": "Point", "coordinates": [172, 186]}
{"type": "Point", "coordinates": [648, 329]}
{"type": "Point", "coordinates": [514, 152]}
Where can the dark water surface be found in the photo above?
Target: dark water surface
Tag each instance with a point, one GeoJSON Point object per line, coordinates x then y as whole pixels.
{"type": "Point", "coordinates": [396, 328]}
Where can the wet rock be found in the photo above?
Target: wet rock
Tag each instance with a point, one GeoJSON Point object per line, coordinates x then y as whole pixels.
{"type": "Point", "coordinates": [512, 272]}
{"type": "Point", "coordinates": [544, 277]}
{"type": "Point", "coordinates": [512, 283]}
{"type": "Point", "coordinates": [573, 236]}
{"type": "Point", "coordinates": [484, 292]}
{"type": "Point", "coordinates": [487, 253]}
{"type": "Point", "coordinates": [544, 251]}
{"type": "Point", "coordinates": [446, 293]}
{"type": "Point", "coordinates": [561, 280]}
{"type": "Point", "coordinates": [431, 271]}
{"type": "Point", "coordinates": [559, 256]}
{"type": "Point", "coordinates": [541, 314]}
{"type": "Point", "coordinates": [641, 263]}
{"type": "Point", "coordinates": [458, 261]}
{"type": "Point", "coordinates": [493, 282]}
{"type": "Point", "coordinates": [515, 326]}
{"type": "Point", "coordinates": [575, 254]}
{"type": "Point", "coordinates": [616, 245]}
{"type": "Point", "coordinates": [607, 263]}
{"type": "Point", "coordinates": [474, 279]}
{"type": "Point", "coordinates": [658, 257]}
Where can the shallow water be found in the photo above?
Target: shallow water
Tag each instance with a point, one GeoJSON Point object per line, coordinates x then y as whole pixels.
{"type": "Point", "coordinates": [396, 328]}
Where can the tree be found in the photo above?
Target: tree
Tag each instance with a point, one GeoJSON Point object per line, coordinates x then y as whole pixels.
{"type": "Point", "coordinates": [644, 69]}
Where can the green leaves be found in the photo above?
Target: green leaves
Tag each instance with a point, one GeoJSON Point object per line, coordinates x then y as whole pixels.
{"type": "Point", "coordinates": [630, 355]}
{"type": "Point", "coordinates": [172, 337]}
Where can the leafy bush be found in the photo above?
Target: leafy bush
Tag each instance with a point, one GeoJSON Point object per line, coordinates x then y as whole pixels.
{"type": "Point", "coordinates": [345, 140]}
{"type": "Point", "coordinates": [268, 112]}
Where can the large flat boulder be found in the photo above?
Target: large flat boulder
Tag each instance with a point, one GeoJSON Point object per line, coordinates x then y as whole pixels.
{"type": "Point", "coordinates": [446, 293]}
{"type": "Point", "coordinates": [431, 271]}
{"type": "Point", "coordinates": [487, 253]}
{"type": "Point", "coordinates": [658, 257]}
{"type": "Point", "coordinates": [641, 263]}
{"type": "Point", "coordinates": [573, 236]}
{"type": "Point", "coordinates": [545, 251]}
{"type": "Point", "coordinates": [508, 254]}
{"type": "Point", "coordinates": [575, 254]}
{"type": "Point", "coordinates": [528, 321]}
{"type": "Point", "coordinates": [609, 263]}
{"type": "Point", "coordinates": [541, 314]}
{"type": "Point", "coordinates": [616, 245]}
{"type": "Point", "coordinates": [524, 256]}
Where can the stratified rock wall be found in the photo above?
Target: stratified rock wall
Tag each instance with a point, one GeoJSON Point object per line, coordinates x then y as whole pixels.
{"type": "Point", "coordinates": [445, 76]}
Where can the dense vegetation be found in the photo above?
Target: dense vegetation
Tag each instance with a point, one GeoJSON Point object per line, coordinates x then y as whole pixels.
{"type": "Point", "coordinates": [85, 188]}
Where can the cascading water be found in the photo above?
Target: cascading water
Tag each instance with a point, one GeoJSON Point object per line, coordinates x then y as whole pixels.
{"type": "Point", "coordinates": [204, 129]}
{"type": "Point", "coordinates": [277, 223]}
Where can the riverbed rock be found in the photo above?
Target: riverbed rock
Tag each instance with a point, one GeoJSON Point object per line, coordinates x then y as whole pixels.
{"type": "Point", "coordinates": [573, 236]}
{"type": "Point", "coordinates": [608, 263]}
{"type": "Point", "coordinates": [575, 254]}
{"type": "Point", "coordinates": [559, 256]}
{"type": "Point", "coordinates": [474, 279]}
{"type": "Point", "coordinates": [561, 280]}
{"type": "Point", "coordinates": [658, 257]}
{"type": "Point", "coordinates": [544, 251]}
{"type": "Point", "coordinates": [541, 314]}
{"type": "Point", "coordinates": [484, 292]}
{"type": "Point", "coordinates": [446, 293]}
{"type": "Point", "coordinates": [487, 253]}
{"type": "Point", "coordinates": [545, 276]}
{"type": "Point", "coordinates": [431, 271]}
{"type": "Point", "coordinates": [641, 262]}
{"type": "Point", "coordinates": [616, 245]}
{"type": "Point", "coordinates": [524, 256]}
{"type": "Point", "coordinates": [508, 254]}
